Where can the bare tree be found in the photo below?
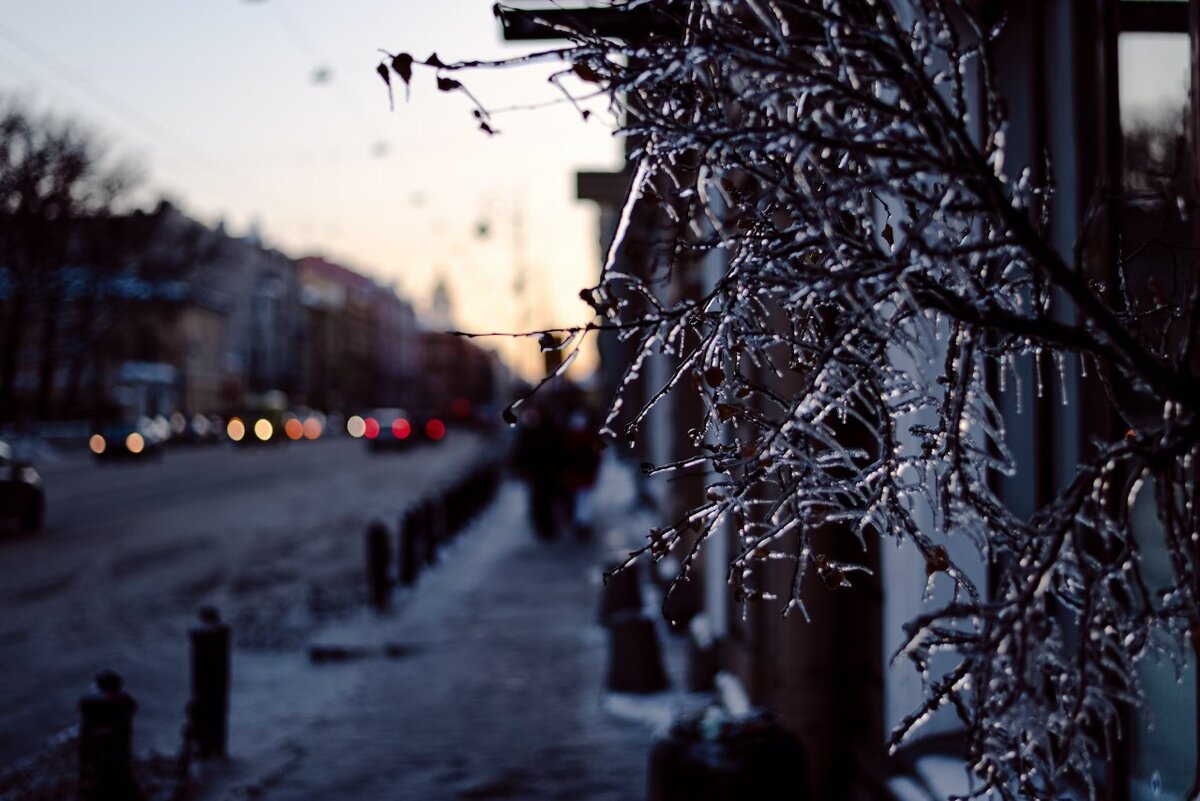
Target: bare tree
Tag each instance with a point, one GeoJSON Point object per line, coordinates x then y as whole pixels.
{"type": "Point", "coordinates": [52, 175]}
{"type": "Point", "coordinates": [886, 269]}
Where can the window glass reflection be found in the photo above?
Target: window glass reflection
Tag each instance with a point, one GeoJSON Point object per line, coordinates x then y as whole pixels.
{"type": "Point", "coordinates": [1154, 85]}
{"type": "Point", "coordinates": [1156, 238]}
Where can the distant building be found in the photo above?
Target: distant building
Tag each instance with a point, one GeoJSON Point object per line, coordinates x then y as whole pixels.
{"type": "Point", "coordinates": [258, 288]}
{"type": "Point", "coordinates": [1065, 70]}
{"type": "Point", "coordinates": [104, 334]}
{"type": "Point", "coordinates": [340, 338]}
{"type": "Point", "coordinates": [156, 313]}
{"type": "Point", "coordinates": [396, 349]}
{"type": "Point", "coordinates": [455, 369]}
{"type": "Point", "coordinates": [360, 344]}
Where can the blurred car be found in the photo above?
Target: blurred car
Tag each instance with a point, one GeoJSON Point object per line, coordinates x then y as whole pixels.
{"type": "Point", "coordinates": [21, 494]}
{"type": "Point", "coordinates": [432, 427]}
{"type": "Point", "coordinates": [304, 424]}
{"type": "Point", "coordinates": [200, 429]}
{"type": "Point", "coordinates": [396, 428]}
{"type": "Point", "coordinates": [385, 429]}
{"type": "Point", "coordinates": [128, 441]}
{"type": "Point", "coordinates": [258, 427]}
{"type": "Point", "coordinates": [479, 417]}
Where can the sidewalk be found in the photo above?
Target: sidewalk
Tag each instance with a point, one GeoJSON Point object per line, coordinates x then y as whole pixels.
{"type": "Point", "coordinates": [484, 682]}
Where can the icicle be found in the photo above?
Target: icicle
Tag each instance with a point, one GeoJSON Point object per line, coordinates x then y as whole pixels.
{"type": "Point", "coordinates": [1061, 362]}
{"type": "Point", "coordinates": [1038, 381]}
{"type": "Point", "coordinates": [1017, 383]}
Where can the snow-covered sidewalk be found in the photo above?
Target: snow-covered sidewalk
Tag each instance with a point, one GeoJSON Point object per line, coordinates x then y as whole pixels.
{"type": "Point", "coordinates": [485, 681]}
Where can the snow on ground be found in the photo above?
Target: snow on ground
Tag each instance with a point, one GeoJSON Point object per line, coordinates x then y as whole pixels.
{"type": "Point", "coordinates": [272, 536]}
{"type": "Point", "coordinates": [484, 681]}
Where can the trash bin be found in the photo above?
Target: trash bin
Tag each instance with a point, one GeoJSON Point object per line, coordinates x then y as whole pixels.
{"type": "Point", "coordinates": [713, 756]}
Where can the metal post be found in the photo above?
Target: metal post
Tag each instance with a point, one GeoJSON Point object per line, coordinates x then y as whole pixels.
{"type": "Point", "coordinates": [209, 707]}
{"type": "Point", "coordinates": [452, 512]}
{"type": "Point", "coordinates": [622, 591]}
{"type": "Point", "coordinates": [431, 529]}
{"type": "Point", "coordinates": [378, 559]}
{"type": "Point", "coordinates": [634, 659]}
{"type": "Point", "coordinates": [106, 741]}
{"type": "Point", "coordinates": [409, 565]}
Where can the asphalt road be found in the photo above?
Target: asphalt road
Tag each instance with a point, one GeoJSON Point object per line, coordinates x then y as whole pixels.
{"type": "Point", "coordinates": [272, 536]}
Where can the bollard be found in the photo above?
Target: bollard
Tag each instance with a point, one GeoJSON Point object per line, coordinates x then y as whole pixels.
{"type": "Point", "coordinates": [716, 757]}
{"type": "Point", "coordinates": [209, 706]}
{"type": "Point", "coordinates": [466, 501]}
{"type": "Point", "coordinates": [634, 660]}
{"type": "Point", "coordinates": [409, 565]}
{"type": "Point", "coordinates": [464, 510]}
{"type": "Point", "coordinates": [703, 656]}
{"type": "Point", "coordinates": [106, 741]}
{"type": "Point", "coordinates": [478, 499]}
{"type": "Point", "coordinates": [379, 558]}
{"type": "Point", "coordinates": [461, 507]}
{"type": "Point", "coordinates": [462, 504]}
{"type": "Point", "coordinates": [451, 508]}
{"type": "Point", "coordinates": [431, 528]}
{"type": "Point", "coordinates": [621, 592]}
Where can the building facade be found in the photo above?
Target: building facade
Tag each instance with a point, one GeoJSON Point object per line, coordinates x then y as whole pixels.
{"type": "Point", "coordinates": [1102, 92]}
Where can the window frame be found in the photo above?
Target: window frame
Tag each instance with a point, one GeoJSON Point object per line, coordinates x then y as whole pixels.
{"type": "Point", "coordinates": [1121, 17]}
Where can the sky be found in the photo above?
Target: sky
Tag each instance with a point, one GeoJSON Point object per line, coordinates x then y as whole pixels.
{"type": "Point", "coordinates": [221, 106]}
{"type": "Point", "coordinates": [217, 104]}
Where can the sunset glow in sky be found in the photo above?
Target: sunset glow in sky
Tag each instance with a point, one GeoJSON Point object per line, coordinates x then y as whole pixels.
{"type": "Point", "coordinates": [270, 112]}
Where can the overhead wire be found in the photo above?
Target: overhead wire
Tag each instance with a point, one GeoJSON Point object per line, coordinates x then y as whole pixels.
{"type": "Point", "coordinates": [145, 125]}
{"type": "Point", "coordinates": [305, 45]}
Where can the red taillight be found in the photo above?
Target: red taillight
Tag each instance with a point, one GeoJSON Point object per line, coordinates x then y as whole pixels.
{"type": "Point", "coordinates": [401, 429]}
{"type": "Point", "coordinates": [371, 428]}
{"type": "Point", "coordinates": [435, 429]}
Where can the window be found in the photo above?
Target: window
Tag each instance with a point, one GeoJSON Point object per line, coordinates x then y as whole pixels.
{"type": "Point", "coordinates": [1154, 80]}
{"type": "Point", "coordinates": [1156, 260]}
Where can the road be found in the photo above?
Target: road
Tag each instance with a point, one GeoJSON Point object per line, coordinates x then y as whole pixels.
{"type": "Point", "coordinates": [271, 536]}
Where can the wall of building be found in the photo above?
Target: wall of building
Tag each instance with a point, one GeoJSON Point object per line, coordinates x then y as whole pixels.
{"type": "Point", "coordinates": [229, 315]}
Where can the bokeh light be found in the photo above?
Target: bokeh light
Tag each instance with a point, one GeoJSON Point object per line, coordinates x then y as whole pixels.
{"type": "Point", "coordinates": [97, 444]}
{"type": "Point", "coordinates": [263, 429]}
{"type": "Point", "coordinates": [356, 426]}
{"type": "Point", "coordinates": [135, 443]}
{"type": "Point", "coordinates": [236, 429]}
{"type": "Point", "coordinates": [201, 425]}
{"type": "Point", "coordinates": [312, 428]}
{"type": "Point", "coordinates": [371, 428]}
{"type": "Point", "coordinates": [401, 428]}
{"type": "Point", "coordinates": [293, 428]}
{"type": "Point", "coordinates": [159, 428]}
{"type": "Point", "coordinates": [435, 429]}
